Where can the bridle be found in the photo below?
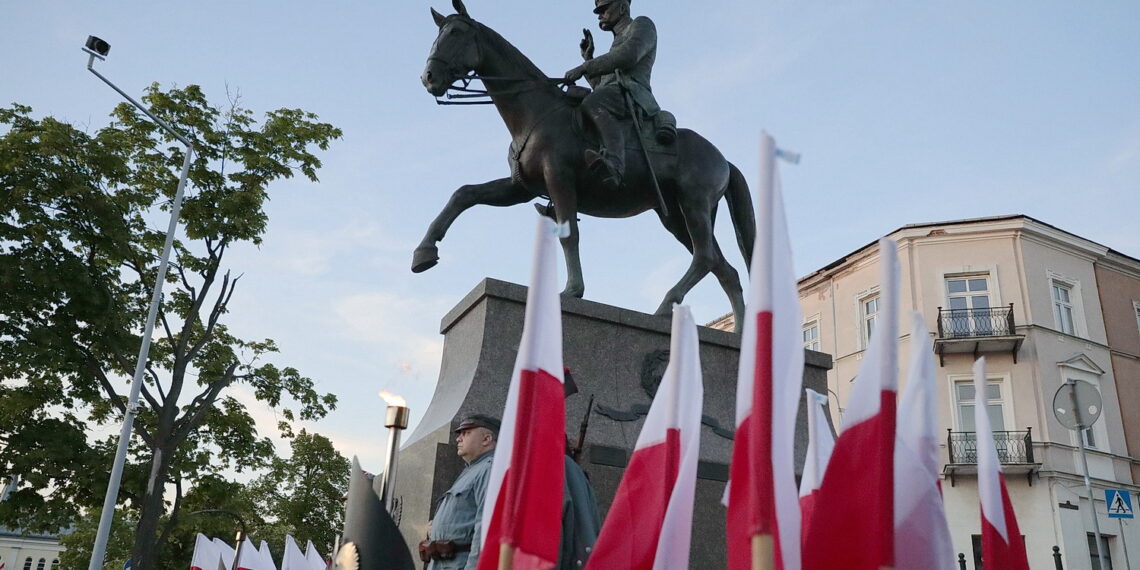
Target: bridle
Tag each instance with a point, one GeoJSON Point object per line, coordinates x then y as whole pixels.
{"type": "Point", "coordinates": [461, 88]}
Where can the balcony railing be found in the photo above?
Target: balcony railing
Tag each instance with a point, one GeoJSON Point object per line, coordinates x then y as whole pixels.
{"type": "Point", "coordinates": [1014, 450]}
{"type": "Point", "coordinates": [1013, 447]}
{"type": "Point", "coordinates": [974, 323]}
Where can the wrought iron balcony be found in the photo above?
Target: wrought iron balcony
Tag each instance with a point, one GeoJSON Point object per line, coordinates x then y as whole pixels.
{"type": "Point", "coordinates": [1014, 450]}
{"type": "Point", "coordinates": [974, 331]}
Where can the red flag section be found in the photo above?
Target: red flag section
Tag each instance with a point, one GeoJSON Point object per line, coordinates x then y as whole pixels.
{"type": "Point", "coordinates": [1002, 546]}
{"type": "Point", "coordinates": [852, 525]}
{"type": "Point", "coordinates": [523, 514]}
{"type": "Point", "coordinates": [649, 524]}
{"type": "Point", "coordinates": [762, 505]}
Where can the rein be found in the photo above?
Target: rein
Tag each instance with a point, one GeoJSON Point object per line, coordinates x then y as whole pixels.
{"type": "Point", "coordinates": [465, 91]}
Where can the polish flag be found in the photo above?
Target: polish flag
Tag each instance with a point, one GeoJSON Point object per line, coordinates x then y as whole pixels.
{"type": "Point", "coordinates": [650, 521]}
{"type": "Point", "coordinates": [820, 444]}
{"type": "Point", "coordinates": [227, 553]}
{"type": "Point", "coordinates": [206, 555]}
{"type": "Point", "coordinates": [293, 559]}
{"type": "Point", "coordinates": [1002, 545]}
{"type": "Point", "coordinates": [313, 558]}
{"type": "Point", "coordinates": [763, 514]}
{"type": "Point", "coordinates": [853, 524]}
{"type": "Point", "coordinates": [253, 558]}
{"type": "Point", "coordinates": [922, 535]}
{"type": "Point", "coordinates": [525, 486]}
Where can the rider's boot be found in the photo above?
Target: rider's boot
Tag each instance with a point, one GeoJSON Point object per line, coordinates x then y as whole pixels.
{"type": "Point", "coordinates": [610, 160]}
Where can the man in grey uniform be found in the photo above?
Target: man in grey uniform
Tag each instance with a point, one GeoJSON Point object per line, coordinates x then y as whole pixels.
{"type": "Point", "coordinates": [455, 535]}
{"type": "Point", "coordinates": [628, 66]}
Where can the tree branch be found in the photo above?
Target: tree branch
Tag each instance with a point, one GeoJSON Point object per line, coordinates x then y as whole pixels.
{"type": "Point", "coordinates": [203, 403]}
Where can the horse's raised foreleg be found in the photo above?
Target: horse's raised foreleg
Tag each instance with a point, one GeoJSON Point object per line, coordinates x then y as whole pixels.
{"type": "Point", "coordinates": [501, 192]}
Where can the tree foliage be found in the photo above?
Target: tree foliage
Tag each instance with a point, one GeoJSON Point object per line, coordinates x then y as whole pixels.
{"type": "Point", "coordinates": [79, 252]}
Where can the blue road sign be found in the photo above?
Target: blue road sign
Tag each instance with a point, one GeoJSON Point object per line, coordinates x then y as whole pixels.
{"type": "Point", "coordinates": [1119, 503]}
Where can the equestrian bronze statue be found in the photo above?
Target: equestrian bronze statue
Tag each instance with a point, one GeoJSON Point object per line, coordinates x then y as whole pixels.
{"type": "Point", "coordinates": [682, 178]}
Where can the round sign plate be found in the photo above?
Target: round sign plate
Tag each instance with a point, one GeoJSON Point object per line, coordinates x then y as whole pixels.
{"type": "Point", "coordinates": [1077, 404]}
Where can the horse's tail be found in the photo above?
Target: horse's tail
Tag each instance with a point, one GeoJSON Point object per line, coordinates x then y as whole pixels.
{"type": "Point", "coordinates": [740, 210]}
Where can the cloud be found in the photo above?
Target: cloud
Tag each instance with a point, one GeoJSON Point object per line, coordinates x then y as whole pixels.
{"type": "Point", "coordinates": [312, 252]}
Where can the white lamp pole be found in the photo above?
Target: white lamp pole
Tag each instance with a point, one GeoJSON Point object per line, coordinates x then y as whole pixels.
{"type": "Point", "coordinates": [98, 49]}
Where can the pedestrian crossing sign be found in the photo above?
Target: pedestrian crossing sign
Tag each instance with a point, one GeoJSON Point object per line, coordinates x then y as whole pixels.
{"type": "Point", "coordinates": [1119, 503]}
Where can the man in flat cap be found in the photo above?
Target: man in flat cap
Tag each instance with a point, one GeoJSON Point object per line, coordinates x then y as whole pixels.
{"type": "Point", "coordinates": [453, 542]}
{"type": "Point", "coordinates": [628, 65]}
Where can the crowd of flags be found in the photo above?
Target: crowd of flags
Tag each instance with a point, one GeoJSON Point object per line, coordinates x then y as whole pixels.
{"type": "Point", "coordinates": [216, 554]}
{"type": "Point", "coordinates": [870, 499]}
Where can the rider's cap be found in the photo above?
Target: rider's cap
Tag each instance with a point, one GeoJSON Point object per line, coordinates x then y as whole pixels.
{"type": "Point", "coordinates": [479, 420]}
{"type": "Point", "coordinates": [600, 5]}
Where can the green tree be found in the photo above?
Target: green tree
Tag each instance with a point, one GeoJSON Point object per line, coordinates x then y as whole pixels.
{"type": "Point", "coordinates": [301, 495]}
{"type": "Point", "coordinates": [78, 256]}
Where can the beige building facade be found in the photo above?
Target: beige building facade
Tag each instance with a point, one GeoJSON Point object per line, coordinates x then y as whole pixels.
{"type": "Point", "coordinates": [1044, 307]}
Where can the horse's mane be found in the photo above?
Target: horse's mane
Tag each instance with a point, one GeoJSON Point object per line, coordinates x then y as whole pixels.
{"type": "Point", "coordinates": [514, 58]}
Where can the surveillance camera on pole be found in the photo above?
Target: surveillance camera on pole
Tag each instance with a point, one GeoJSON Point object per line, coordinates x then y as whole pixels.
{"type": "Point", "coordinates": [97, 48]}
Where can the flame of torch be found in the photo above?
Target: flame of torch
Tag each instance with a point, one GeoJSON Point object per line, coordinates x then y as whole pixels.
{"type": "Point", "coordinates": [393, 400]}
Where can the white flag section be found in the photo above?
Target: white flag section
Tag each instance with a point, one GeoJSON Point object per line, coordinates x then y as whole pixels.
{"type": "Point", "coordinates": [254, 558]}
{"type": "Point", "coordinates": [206, 555]}
{"type": "Point", "coordinates": [820, 443]}
{"type": "Point", "coordinates": [650, 521]}
{"type": "Point", "coordinates": [227, 553]}
{"type": "Point", "coordinates": [293, 558]}
{"type": "Point", "coordinates": [313, 557]}
{"type": "Point", "coordinates": [922, 535]}
{"type": "Point", "coordinates": [761, 494]}
{"type": "Point", "coordinates": [522, 514]}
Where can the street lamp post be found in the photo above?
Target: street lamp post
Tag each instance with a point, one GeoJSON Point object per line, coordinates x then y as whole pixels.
{"type": "Point", "coordinates": [98, 49]}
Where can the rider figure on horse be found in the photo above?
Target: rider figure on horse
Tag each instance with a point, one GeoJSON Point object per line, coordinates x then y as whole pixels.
{"type": "Point", "coordinates": [625, 69]}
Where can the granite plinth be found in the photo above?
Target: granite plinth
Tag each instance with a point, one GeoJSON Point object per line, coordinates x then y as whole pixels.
{"type": "Point", "coordinates": [614, 354]}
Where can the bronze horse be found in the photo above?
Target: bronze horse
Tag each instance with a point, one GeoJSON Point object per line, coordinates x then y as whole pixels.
{"type": "Point", "coordinates": [543, 122]}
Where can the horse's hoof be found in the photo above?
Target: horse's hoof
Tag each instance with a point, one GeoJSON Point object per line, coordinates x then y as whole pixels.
{"type": "Point", "coordinates": [575, 293]}
{"type": "Point", "coordinates": [424, 258]}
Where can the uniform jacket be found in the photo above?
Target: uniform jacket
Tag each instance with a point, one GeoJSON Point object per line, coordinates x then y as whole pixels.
{"type": "Point", "coordinates": [459, 514]}
{"type": "Point", "coordinates": [633, 52]}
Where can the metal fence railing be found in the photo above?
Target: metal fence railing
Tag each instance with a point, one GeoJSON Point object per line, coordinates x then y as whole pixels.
{"type": "Point", "coordinates": [972, 323]}
{"type": "Point", "coordinates": [1013, 447]}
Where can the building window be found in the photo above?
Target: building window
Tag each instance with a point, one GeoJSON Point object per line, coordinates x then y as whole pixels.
{"type": "Point", "coordinates": [869, 309]}
{"type": "Point", "coordinates": [967, 399]}
{"type": "Point", "coordinates": [28, 563]}
{"type": "Point", "coordinates": [1063, 307]}
{"type": "Point", "coordinates": [811, 336]}
{"type": "Point", "coordinates": [968, 297]}
{"type": "Point", "coordinates": [41, 564]}
{"type": "Point", "coordinates": [55, 564]}
{"type": "Point", "coordinates": [1094, 552]}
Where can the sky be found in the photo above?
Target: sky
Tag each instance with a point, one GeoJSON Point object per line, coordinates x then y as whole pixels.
{"type": "Point", "coordinates": [904, 112]}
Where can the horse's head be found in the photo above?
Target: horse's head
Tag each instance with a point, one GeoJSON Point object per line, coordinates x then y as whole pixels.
{"type": "Point", "coordinates": [455, 51]}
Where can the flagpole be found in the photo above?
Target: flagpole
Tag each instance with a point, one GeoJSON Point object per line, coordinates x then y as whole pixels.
{"type": "Point", "coordinates": [762, 552]}
{"type": "Point", "coordinates": [506, 556]}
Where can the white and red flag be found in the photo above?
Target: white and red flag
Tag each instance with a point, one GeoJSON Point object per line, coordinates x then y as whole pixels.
{"type": "Point", "coordinates": [853, 524]}
{"type": "Point", "coordinates": [650, 521]}
{"type": "Point", "coordinates": [820, 443]}
{"type": "Point", "coordinates": [1002, 544]}
{"type": "Point", "coordinates": [922, 535]}
{"type": "Point", "coordinates": [227, 553]}
{"type": "Point", "coordinates": [249, 557]}
{"type": "Point", "coordinates": [206, 555]}
{"type": "Point", "coordinates": [763, 512]}
{"type": "Point", "coordinates": [523, 513]}
{"type": "Point", "coordinates": [293, 558]}
{"type": "Point", "coordinates": [313, 558]}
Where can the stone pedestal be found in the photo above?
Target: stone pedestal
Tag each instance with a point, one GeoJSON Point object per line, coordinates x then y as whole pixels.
{"type": "Point", "coordinates": [613, 354]}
